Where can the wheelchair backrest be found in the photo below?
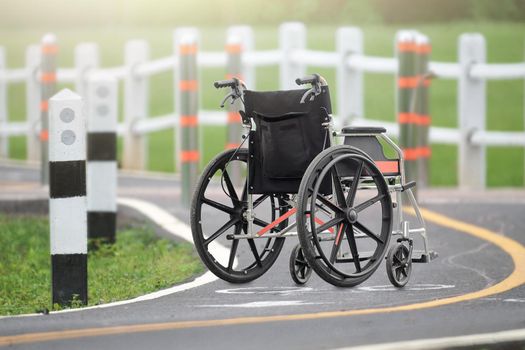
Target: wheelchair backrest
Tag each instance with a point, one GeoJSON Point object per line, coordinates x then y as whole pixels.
{"type": "Point", "coordinates": [287, 137]}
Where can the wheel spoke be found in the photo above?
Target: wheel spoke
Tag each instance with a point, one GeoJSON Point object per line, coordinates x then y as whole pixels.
{"type": "Point", "coordinates": [328, 203]}
{"type": "Point", "coordinates": [301, 262]}
{"type": "Point", "coordinates": [353, 190]}
{"type": "Point", "coordinates": [404, 272]}
{"type": "Point", "coordinates": [328, 224]}
{"type": "Point", "coordinates": [369, 233]}
{"type": "Point", "coordinates": [337, 243]}
{"type": "Point", "coordinates": [396, 260]}
{"type": "Point", "coordinates": [255, 253]}
{"type": "Point", "coordinates": [229, 185]}
{"type": "Point", "coordinates": [338, 188]}
{"type": "Point", "coordinates": [369, 202]}
{"type": "Point", "coordinates": [244, 194]}
{"type": "Point", "coordinates": [353, 247]}
{"type": "Point", "coordinates": [233, 250]}
{"type": "Point", "coordinates": [259, 200]}
{"type": "Point", "coordinates": [300, 258]}
{"type": "Point", "coordinates": [260, 222]}
{"type": "Point", "coordinates": [218, 205]}
{"type": "Point", "coordinates": [220, 231]}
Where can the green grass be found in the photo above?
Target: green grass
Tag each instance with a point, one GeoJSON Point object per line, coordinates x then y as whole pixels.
{"type": "Point", "coordinates": [505, 43]}
{"type": "Point", "coordinates": [138, 263]}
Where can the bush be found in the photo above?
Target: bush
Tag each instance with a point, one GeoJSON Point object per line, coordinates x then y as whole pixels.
{"type": "Point", "coordinates": [405, 11]}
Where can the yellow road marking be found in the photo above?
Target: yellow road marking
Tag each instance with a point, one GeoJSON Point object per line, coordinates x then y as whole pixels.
{"type": "Point", "coordinates": [514, 249]}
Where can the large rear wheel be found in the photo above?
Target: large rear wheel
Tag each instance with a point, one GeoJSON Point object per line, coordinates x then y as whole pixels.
{"type": "Point", "coordinates": [218, 220]}
{"type": "Point", "coordinates": [344, 216]}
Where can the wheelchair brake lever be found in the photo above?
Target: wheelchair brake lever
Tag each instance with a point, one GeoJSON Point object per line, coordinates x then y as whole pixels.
{"type": "Point", "coordinates": [306, 94]}
{"type": "Point", "coordinates": [314, 91]}
{"type": "Point", "coordinates": [231, 94]}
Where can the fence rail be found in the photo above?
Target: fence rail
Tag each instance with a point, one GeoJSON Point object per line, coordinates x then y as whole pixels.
{"type": "Point", "coordinates": [471, 71]}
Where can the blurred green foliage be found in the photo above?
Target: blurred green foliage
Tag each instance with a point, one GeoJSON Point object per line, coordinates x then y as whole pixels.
{"type": "Point", "coordinates": [54, 14]}
{"type": "Point", "coordinates": [67, 13]}
{"type": "Point", "coordinates": [404, 11]}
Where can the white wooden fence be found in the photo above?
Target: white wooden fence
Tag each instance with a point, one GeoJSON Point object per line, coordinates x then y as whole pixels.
{"type": "Point", "coordinates": [292, 57]}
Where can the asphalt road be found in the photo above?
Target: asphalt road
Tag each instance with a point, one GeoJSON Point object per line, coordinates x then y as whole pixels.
{"type": "Point", "coordinates": [441, 299]}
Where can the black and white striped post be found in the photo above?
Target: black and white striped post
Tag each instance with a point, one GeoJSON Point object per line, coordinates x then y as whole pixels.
{"type": "Point", "coordinates": [67, 198]}
{"type": "Point", "coordinates": [102, 157]}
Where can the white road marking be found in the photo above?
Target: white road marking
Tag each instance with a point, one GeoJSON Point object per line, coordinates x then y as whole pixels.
{"type": "Point", "coordinates": [266, 290]}
{"type": "Point", "coordinates": [415, 287]}
{"type": "Point", "coordinates": [476, 340]}
{"type": "Point", "coordinates": [172, 225]}
{"type": "Point", "coordinates": [261, 304]}
{"type": "Point", "coordinates": [508, 300]}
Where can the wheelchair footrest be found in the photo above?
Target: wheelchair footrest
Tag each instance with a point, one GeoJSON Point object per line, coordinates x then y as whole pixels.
{"type": "Point", "coordinates": [421, 257]}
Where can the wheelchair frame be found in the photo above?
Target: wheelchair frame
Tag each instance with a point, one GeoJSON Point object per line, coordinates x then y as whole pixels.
{"type": "Point", "coordinates": [399, 258]}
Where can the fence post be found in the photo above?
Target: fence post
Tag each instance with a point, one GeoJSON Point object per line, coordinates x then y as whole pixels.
{"type": "Point", "coordinates": [234, 50]}
{"type": "Point", "coordinates": [187, 104]}
{"type": "Point", "coordinates": [48, 80]}
{"type": "Point", "coordinates": [349, 41]}
{"type": "Point", "coordinates": [102, 157]}
{"type": "Point", "coordinates": [136, 102]}
{"type": "Point", "coordinates": [4, 140]}
{"type": "Point", "coordinates": [67, 198]}
{"type": "Point", "coordinates": [86, 59]}
{"type": "Point", "coordinates": [407, 82]}
{"type": "Point", "coordinates": [423, 116]}
{"type": "Point", "coordinates": [33, 98]}
{"type": "Point", "coordinates": [246, 40]}
{"type": "Point", "coordinates": [471, 110]}
{"type": "Point", "coordinates": [233, 69]}
{"type": "Point", "coordinates": [292, 36]}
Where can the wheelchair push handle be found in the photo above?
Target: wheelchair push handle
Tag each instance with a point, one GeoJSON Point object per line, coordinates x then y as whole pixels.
{"type": "Point", "coordinates": [219, 84]}
{"type": "Point", "coordinates": [316, 81]}
{"type": "Point", "coordinates": [237, 86]}
{"type": "Point", "coordinates": [309, 79]}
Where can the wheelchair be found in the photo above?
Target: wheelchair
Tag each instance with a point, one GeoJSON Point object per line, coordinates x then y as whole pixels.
{"type": "Point", "coordinates": [291, 177]}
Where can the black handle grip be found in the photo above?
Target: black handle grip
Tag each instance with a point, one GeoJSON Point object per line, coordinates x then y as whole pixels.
{"type": "Point", "coordinates": [219, 84]}
{"type": "Point", "coordinates": [309, 79]}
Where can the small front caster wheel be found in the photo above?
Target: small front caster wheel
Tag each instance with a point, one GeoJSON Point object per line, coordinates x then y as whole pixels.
{"type": "Point", "coordinates": [299, 268]}
{"type": "Point", "coordinates": [398, 265]}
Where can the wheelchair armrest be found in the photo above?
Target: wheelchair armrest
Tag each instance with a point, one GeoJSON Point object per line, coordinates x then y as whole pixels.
{"type": "Point", "coordinates": [363, 130]}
